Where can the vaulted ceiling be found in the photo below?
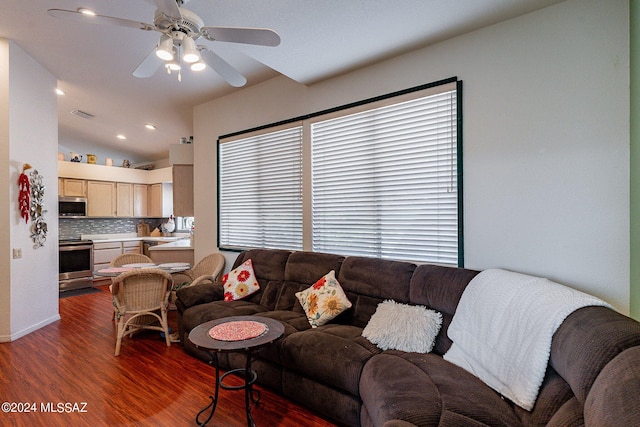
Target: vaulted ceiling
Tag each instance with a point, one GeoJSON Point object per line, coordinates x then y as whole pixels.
{"type": "Point", "coordinates": [320, 39]}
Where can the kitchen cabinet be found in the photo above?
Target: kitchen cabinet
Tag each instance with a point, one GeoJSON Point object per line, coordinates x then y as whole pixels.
{"type": "Point", "coordinates": [183, 190]}
{"type": "Point", "coordinates": [101, 198]}
{"type": "Point", "coordinates": [105, 252]}
{"type": "Point", "coordinates": [124, 199]}
{"type": "Point", "coordinates": [178, 251]}
{"type": "Point", "coordinates": [72, 187]}
{"type": "Point", "coordinates": [134, 247]}
{"type": "Point", "coordinates": [118, 192]}
{"type": "Point", "coordinates": [140, 200]}
{"type": "Point", "coordinates": [160, 200]}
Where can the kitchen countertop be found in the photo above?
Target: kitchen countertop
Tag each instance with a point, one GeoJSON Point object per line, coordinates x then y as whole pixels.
{"type": "Point", "coordinates": [178, 245]}
{"type": "Point", "coordinates": [123, 237]}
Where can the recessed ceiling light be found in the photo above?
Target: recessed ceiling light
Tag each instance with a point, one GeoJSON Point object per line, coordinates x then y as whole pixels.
{"type": "Point", "coordinates": [150, 126]}
{"type": "Point", "coordinates": [85, 11]}
{"type": "Point", "coordinates": [59, 91]}
{"type": "Point", "coordinates": [122, 137]}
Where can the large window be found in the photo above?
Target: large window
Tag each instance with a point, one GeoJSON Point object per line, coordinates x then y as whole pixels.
{"type": "Point", "coordinates": [260, 180]}
{"type": "Point", "coordinates": [378, 178]}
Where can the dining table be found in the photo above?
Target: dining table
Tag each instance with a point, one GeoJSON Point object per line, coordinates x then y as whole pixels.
{"type": "Point", "coordinates": [169, 267]}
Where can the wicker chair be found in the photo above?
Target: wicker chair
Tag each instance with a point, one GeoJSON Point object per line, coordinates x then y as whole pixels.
{"type": "Point", "coordinates": [208, 269]}
{"type": "Point", "coordinates": [138, 295]}
{"type": "Point", "coordinates": [123, 259]}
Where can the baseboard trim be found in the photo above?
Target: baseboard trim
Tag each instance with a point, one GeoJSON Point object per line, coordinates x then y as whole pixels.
{"type": "Point", "coordinates": [19, 334]}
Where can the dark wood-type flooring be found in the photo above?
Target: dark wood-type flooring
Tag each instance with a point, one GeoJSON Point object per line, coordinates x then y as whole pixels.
{"type": "Point", "coordinates": [71, 362]}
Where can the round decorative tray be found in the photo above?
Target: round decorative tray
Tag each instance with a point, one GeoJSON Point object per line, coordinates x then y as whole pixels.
{"type": "Point", "coordinates": [238, 330]}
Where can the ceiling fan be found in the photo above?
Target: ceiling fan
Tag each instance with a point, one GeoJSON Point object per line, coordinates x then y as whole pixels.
{"type": "Point", "coordinates": [179, 29]}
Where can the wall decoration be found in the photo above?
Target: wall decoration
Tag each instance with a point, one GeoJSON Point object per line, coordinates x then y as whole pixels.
{"type": "Point", "coordinates": [25, 190]}
{"type": "Point", "coordinates": [38, 226]}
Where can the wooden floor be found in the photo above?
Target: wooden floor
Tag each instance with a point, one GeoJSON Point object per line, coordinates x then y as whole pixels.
{"type": "Point", "coordinates": [71, 362]}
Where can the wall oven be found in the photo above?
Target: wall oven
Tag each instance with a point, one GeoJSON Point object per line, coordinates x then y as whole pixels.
{"type": "Point", "coordinates": [76, 264]}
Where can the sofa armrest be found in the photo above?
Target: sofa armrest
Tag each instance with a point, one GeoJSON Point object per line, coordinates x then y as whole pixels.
{"type": "Point", "coordinates": [612, 401]}
{"type": "Point", "coordinates": [200, 294]}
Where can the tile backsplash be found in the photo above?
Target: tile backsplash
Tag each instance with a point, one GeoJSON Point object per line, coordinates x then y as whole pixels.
{"type": "Point", "coordinates": [72, 228]}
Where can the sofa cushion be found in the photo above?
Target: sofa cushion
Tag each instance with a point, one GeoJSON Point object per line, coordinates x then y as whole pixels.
{"type": "Point", "coordinates": [200, 294]}
{"type": "Point", "coordinates": [331, 354]}
{"type": "Point", "coordinates": [440, 288]}
{"type": "Point", "coordinates": [268, 266]}
{"type": "Point", "coordinates": [554, 393]}
{"type": "Point", "coordinates": [426, 390]}
{"type": "Point", "coordinates": [396, 326]}
{"type": "Point", "coordinates": [569, 415]}
{"type": "Point", "coordinates": [301, 270]}
{"type": "Point", "coordinates": [293, 322]}
{"type": "Point", "coordinates": [324, 300]}
{"type": "Point", "coordinates": [240, 282]}
{"type": "Point", "coordinates": [369, 281]}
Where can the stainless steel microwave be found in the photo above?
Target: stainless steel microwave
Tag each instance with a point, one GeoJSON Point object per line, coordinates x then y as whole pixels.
{"type": "Point", "coordinates": [72, 207]}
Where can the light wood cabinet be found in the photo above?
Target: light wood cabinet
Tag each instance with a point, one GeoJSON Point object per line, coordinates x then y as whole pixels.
{"type": "Point", "coordinates": [160, 200]}
{"type": "Point", "coordinates": [72, 187]}
{"type": "Point", "coordinates": [183, 190]}
{"type": "Point", "coordinates": [140, 200]}
{"type": "Point", "coordinates": [124, 199]}
{"type": "Point", "coordinates": [103, 253]}
{"type": "Point", "coordinates": [101, 199]}
{"type": "Point", "coordinates": [168, 255]}
{"type": "Point", "coordinates": [118, 192]}
{"type": "Point", "coordinates": [134, 247]}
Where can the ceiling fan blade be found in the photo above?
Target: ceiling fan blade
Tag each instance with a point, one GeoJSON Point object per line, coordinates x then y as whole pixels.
{"type": "Point", "coordinates": [169, 8]}
{"type": "Point", "coordinates": [257, 36]}
{"type": "Point", "coordinates": [222, 67]}
{"type": "Point", "coordinates": [148, 66]}
{"type": "Point", "coordinates": [99, 19]}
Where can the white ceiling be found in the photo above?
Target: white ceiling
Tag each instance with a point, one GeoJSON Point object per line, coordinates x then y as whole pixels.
{"type": "Point", "coordinates": [320, 39]}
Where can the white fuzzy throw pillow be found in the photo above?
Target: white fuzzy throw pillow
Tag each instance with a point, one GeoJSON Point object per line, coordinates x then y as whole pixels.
{"type": "Point", "coordinates": [396, 326]}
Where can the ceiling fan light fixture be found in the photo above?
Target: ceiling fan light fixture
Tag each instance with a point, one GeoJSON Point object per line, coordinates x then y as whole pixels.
{"type": "Point", "coordinates": [86, 11]}
{"type": "Point", "coordinates": [198, 66]}
{"type": "Point", "coordinates": [165, 50]}
{"type": "Point", "coordinates": [173, 65]}
{"type": "Point", "coordinates": [179, 29]}
{"type": "Point", "coordinates": [191, 54]}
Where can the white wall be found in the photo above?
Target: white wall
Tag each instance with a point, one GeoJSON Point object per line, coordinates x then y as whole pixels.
{"type": "Point", "coordinates": [5, 285]}
{"type": "Point", "coordinates": [546, 139]}
{"type": "Point", "coordinates": [30, 287]}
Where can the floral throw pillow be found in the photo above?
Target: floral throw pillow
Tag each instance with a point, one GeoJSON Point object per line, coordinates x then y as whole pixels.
{"type": "Point", "coordinates": [324, 300]}
{"type": "Point", "coordinates": [240, 282]}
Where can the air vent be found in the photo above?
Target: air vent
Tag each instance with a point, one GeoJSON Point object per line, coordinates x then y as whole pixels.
{"type": "Point", "coordinates": [82, 114]}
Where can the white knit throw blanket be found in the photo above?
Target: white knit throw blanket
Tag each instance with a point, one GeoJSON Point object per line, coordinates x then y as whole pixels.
{"type": "Point", "coordinates": [503, 326]}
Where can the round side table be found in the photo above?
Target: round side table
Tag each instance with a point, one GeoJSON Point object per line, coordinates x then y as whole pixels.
{"type": "Point", "coordinates": [201, 337]}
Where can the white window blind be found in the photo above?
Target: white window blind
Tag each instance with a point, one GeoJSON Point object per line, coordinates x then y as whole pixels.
{"type": "Point", "coordinates": [260, 199]}
{"type": "Point", "coordinates": [384, 181]}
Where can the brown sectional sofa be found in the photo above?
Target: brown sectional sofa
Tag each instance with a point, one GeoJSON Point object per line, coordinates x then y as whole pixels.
{"type": "Point", "coordinates": [593, 376]}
